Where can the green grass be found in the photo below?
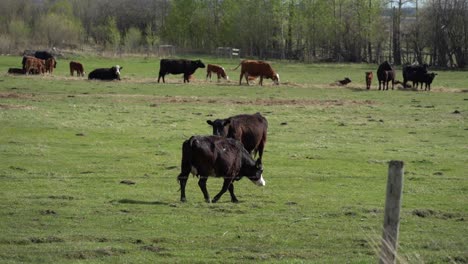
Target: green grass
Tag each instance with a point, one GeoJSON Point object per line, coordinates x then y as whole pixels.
{"type": "Point", "coordinates": [67, 143]}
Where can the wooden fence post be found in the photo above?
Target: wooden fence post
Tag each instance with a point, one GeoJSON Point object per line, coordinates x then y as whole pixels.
{"type": "Point", "coordinates": [392, 212]}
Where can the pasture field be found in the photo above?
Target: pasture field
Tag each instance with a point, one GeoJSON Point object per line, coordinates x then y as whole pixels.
{"type": "Point", "coordinates": [67, 143]}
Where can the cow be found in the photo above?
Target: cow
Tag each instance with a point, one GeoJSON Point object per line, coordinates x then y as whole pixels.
{"type": "Point", "coordinates": [220, 72]}
{"type": "Point", "coordinates": [34, 65]}
{"type": "Point", "coordinates": [385, 74]}
{"type": "Point", "coordinates": [43, 55]}
{"type": "Point", "coordinates": [205, 156]}
{"type": "Point", "coordinates": [369, 76]}
{"type": "Point", "coordinates": [16, 71]}
{"type": "Point", "coordinates": [78, 67]}
{"type": "Point", "coordinates": [250, 130]}
{"type": "Point", "coordinates": [108, 74]}
{"type": "Point", "coordinates": [187, 67]}
{"type": "Point", "coordinates": [257, 68]}
{"type": "Point", "coordinates": [413, 72]}
{"type": "Point", "coordinates": [49, 65]}
{"type": "Point", "coordinates": [343, 82]}
{"type": "Point", "coordinates": [425, 79]}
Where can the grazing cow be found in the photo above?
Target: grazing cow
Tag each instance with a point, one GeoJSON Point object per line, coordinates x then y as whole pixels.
{"type": "Point", "coordinates": [220, 72]}
{"type": "Point", "coordinates": [385, 74]}
{"type": "Point", "coordinates": [205, 156]}
{"type": "Point", "coordinates": [49, 65]}
{"type": "Point", "coordinates": [112, 73]}
{"type": "Point", "coordinates": [78, 67]}
{"type": "Point", "coordinates": [257, 68]}
{"type": "Point", "coordinates": [413, 72]}
{"type": "Point", "coordinates": [425, 79]}
{"type": "Point", "coordinates": [16, 71]}
{"type": "Point", "coordinates": [34, 66]}
{"type": "Point", "coordinates": [187, 67]}
{"type": "Point", "coordinates": [251, 130]}
{"type": "Point", "coordinates": [369, 76]}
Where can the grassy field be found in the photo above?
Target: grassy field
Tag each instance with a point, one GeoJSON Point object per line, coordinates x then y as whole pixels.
{"type": "Point", "coordinates": [66, 144]}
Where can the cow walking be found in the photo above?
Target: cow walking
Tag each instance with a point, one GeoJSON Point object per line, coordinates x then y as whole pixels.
{"type": "Point", "coordinates": [78, 68]}
{"type": "Point", "coordinates": [251, 130]}
{"type": "Point", "coordinates": [257, 68]}
{"type": "Point", "coordinates": [205, 156]}
{"type": "Point", "coordinates": [220, 72]}
{"type": "Point", "coordinates": [187, 67]}
{"type": "Point", "coordinates": [413, 73]}
{"type": "Point", "coordinates": [108, 74]}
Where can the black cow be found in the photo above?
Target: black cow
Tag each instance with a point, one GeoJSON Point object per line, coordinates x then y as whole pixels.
{"type": "Point", "coordinates": [385, 74]}
{"type": "Point", "coordinates": [187, 67]}
{"type": "Point", "coordinates": [426, 79]}
{"type": "Point", "coordinates": [251, 130]}
{"type": "Point", "coordinates": [205, 156]}
{"type": "Point", "coordinates": [16, 71]}
{"type": "Point", "coordinates": [112, 73]}
{"type": "Point", "coordinates": [413, 73]}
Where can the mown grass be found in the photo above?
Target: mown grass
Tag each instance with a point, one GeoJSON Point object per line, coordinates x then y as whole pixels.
{"type": "Point", "coordinates": [67, 143]}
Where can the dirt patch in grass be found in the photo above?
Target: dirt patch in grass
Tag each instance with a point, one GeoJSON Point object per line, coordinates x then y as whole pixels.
{"type": "Point", "coordinates": [15, 96]}
{"type": "Point", "coordinates": [265, 102]}
{"type": "Point", "coordinates": [98, 253]}
{"type": "Point", "coordinates": [9, 107]}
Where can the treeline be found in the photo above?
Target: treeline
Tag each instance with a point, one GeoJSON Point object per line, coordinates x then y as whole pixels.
{"type": "Point", "coordinates": [431, 31]}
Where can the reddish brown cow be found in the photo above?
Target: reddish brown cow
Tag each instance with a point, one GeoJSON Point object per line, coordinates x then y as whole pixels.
{"type": "Point", "coordinates": [220, 72]}
{"type": "Point", "coordinates": [369, 76]}
{"type": "Point", "coordinates": [251, 130]}
{"type": "Point", "coordinates": [78, 67]}
{"type": "Point", "coordinates": [257, 68]}
{"type": "Point", "coordinates": [50, 65]}
{"type": "Point", "coordinates": [34, 65]}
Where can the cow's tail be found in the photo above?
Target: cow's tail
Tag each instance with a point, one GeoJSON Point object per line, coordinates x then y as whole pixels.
{"type": "Point", "coordinates": [186, 164]}
{"type": "Point", "coordinates": [237, 66]}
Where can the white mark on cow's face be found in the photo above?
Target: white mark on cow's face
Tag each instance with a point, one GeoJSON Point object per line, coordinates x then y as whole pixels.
{"type": "Point", "coordinates": [117, 69]}
{"type": "Point", "coordinates": [277, 81]}
{"type": "Point", "coordinates": [261, 181]}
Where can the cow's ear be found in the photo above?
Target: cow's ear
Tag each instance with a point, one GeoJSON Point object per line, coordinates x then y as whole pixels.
{"type": "Point", "coordinates": [209, 122]}
{"type": "Point", "coordinates": [120, 67]}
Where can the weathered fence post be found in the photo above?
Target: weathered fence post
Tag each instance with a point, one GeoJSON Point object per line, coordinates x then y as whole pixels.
{"type": "Point", "coordinates": [392, 212]}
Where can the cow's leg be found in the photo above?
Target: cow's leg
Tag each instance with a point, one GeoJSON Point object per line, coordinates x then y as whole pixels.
{"type": "Point", "coordinates": [261, 80]}
{"type": "Point", "coordinates": [247, 78]}
{"type": "Point", "coordinates": [186, 77]}
{"type": "Point", "coordinates": [233, 196]}
{"type": "Point", "coordinates": [393, 83]}
{"type": "Point", "coordinates": [240, 79]}
{"type": "Point", "coordinates": [227, 182]}
{"type": "Point", "coordinates": [208, 74]}
{"type": "Point", "coordinates": [202, 184]}
{"type": "Point", "coordinates": [182, 178]}
{"type": "Point", "coordinates": [71, 71]}
{"type": "Point", "coordinates": [219, 76]}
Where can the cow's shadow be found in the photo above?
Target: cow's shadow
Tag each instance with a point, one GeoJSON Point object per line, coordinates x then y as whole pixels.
{"type": "Point", "coordinates": [131, 201]}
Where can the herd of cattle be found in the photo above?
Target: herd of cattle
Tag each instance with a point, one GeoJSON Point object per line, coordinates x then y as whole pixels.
{"type": "Point", "coordinates": [42, 62]}
{"type": "Point", "coordinates": [230, 151]}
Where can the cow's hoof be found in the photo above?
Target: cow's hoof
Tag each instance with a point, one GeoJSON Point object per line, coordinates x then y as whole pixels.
{"type": "Point", "coordinates": [235, 201]}
{"type": "Point", "coordinates": [183, 200]}
{"type": "Point", "coordinates": [208, 200]}
{"type": "Point", "coordinates": [214, 200]}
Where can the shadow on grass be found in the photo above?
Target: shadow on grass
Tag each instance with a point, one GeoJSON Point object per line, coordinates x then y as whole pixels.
{"type": "Point", "coordinates": [130, 201]}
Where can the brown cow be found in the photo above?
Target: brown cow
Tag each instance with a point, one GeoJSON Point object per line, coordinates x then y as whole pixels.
{"type": "Point", "coordinates": [50, 65]}
{"type": "Point", "coordinates": [220, 72]}
{"type": "Point", "coordinates": [78, 67]}
{"type": "Point", "coordinates": [251, 130]}
{"type": "Point", "coordinates": [369, 76]}
{"type": "Point", "coordinates": [34, 65]}
{"type": "Point", "coordinates": [257, 68]}
{"type": "Point", "coordinates": [205, 156]}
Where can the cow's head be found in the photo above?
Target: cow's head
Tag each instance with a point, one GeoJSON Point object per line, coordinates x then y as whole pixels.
{"type": "Point", "coordinates": [220, 126]}
{"type": "Point", "coordinates": [116, 69]}
{"type": "Point", "coordinates": [276, 78]}
{"type": "Point", "coordinates": [199, 64]}
{"type": "Point", "coordinates": [257, 175]}
{"type": "Point", "coordinates": [223, 74]}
